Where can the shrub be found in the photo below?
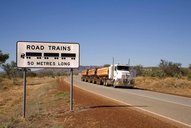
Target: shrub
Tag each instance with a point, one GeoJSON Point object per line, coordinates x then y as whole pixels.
{"type": "Point", "coordinates": [1, 79]}
{"type": "Point", "coordinates": [154, 73]}
{"type": "Point", "coordinates": [170, 69]}
{"type": "Point", "coordinates": [184, 71]}
{"type": "Point", "coordinates": [189, 76]}
{"type": "Point", "coordinates": [139, 70]}
{"type": "Point", "coordinates": [189, 67]}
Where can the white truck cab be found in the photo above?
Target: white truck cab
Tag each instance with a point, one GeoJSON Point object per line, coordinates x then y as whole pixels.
{"type": "Point", "coordinates": [121, 76]}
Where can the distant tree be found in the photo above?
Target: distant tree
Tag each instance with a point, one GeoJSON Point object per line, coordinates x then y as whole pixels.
{"type": "Point", "coordinates": [3, 57]}
{"type": "Point", "coordinates": [189, 72]}
{"type": "Point", "coordinates": [189, 67]}
{"type": "Point", "coordinates": [139, 70]}
{"type": "Point", "coordinates": [106, 65]}
{"type": "Point", "coordinates": [189, 76]}
{"type": "Point", "coordinates": [10, 69]}
{"type": "Point", "coordinates": [170, 68]}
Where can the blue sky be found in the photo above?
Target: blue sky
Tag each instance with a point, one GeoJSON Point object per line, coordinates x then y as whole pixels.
{"type": "Point", "coordinates": [143, 30]}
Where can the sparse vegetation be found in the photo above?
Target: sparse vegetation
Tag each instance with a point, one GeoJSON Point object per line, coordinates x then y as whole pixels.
{"type": "Point", "coordinates": [169, 77]}
{"type": "Point", "coordinates": [3, 57]}
{"type": "Point", "coordinates": [10, 70]}
{"type": "Point", "coordinates": [139, 70]}
{"type": "Point", "coordinates": [189, 67]}
{"type": "Point", "coordinates": [165, 69]}
{"type": "Point", "coordinates": [63, 95]}
{"type": "Point", "coordinates": [106, 65]}
{"type": "Point", "coordinates": [9, 124]}
{"type": "Point", "coordinates": [154, 73]}
{"type": "Point", "coordinates": [189, 76]}
{"type": "Point", "coordinates": [170, 69]}
{"type": "Point", "coordinates": [178, 86]}
{"type": "Point", "coordinates": [44, 104]}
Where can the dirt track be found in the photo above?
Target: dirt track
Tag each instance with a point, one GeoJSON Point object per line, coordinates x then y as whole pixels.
{"type": "Point", "coordinates": [97, 112]}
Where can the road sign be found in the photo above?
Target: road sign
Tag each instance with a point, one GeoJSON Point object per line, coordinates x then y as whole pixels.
{"type": "Point", "coordinates": [48, 54]}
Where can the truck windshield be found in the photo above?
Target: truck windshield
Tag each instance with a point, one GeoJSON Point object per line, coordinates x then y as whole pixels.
{"type": "Point", "coordinates": [124, 68]}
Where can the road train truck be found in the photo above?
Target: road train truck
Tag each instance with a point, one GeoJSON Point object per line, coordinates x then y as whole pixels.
{"type": "Point", "coordinates": [114, 75]}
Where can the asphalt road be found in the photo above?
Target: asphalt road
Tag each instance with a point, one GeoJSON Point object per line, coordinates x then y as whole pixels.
{"type": "Point", "coordinates": [171, 107]}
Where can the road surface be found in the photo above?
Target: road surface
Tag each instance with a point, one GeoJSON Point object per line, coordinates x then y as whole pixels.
{"type": "Point", "coordinates": [171, 107]}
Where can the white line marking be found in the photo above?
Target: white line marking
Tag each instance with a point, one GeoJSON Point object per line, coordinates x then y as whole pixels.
{"type": "Point", "coordinates": [156, 98]}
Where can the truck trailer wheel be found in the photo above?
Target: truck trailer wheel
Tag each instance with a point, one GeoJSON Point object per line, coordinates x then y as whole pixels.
{"type": "Point", "coordinates": [101, 82]}
{"type": "Point", "coordinates": [106, 83]}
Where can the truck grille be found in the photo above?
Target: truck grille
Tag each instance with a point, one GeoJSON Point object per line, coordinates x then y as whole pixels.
{"type": "Point", "coordinates": [124, 76]}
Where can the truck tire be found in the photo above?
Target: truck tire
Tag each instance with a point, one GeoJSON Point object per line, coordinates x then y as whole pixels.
{"type": "Point", "coordinates": [106, 83]}
{"type": "Point", "coordinates": [101, 82]}
{"type": "Point", "coordinates": [114, 84]}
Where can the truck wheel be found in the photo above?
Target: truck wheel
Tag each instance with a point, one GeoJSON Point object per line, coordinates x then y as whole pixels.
{"type": "Point", "coordinates": [101, 83]}
{"type": "Point", "coordinates": [104, 83]}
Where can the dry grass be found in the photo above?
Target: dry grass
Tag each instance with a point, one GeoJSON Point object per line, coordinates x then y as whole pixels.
{"type": "Point", "coordinates": [11, 93]}
{"type": "Point", "coordinates": [167, 85]}
{"type": "Point", "coordinates": [39, 93]}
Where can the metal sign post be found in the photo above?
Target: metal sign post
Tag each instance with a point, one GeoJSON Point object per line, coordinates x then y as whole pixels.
{"type": "Point", "coordinates": [24, 91]}
{"type": "Point", "coordinates": [71, 89]}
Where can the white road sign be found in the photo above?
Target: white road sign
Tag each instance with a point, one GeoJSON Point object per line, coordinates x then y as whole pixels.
{"type": "Point", "coordinates": [48, 54]}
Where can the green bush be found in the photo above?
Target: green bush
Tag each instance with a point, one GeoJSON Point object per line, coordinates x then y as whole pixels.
{"type": "Point", "coordinates": [154, 73]}
{"type": "Point", "coordinates": [184, 71]}
{"type": "Point", "coordinates": [189, 76]}
{"type": "Point", "coordinates": [171, 69]}
{"type": "Point", "coordinates": [139, 70]}
{"type": "Point", "coordinates": [1, 79]}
